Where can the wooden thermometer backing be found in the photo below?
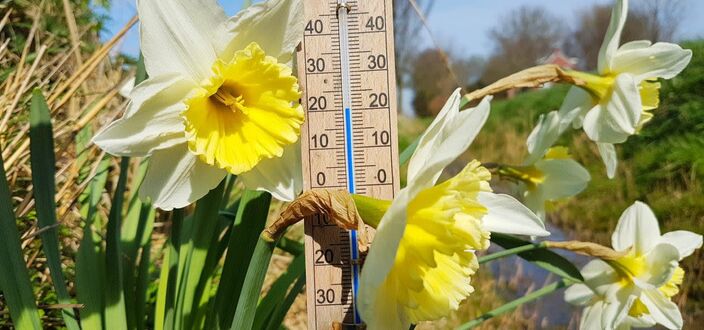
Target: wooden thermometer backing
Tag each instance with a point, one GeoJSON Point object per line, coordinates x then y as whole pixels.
{"type": "Point", "coordinates": [349, 139]}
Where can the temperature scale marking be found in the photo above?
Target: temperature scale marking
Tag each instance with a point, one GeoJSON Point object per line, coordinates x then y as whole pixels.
{"type": "Point", "coordinates": [349, 139]}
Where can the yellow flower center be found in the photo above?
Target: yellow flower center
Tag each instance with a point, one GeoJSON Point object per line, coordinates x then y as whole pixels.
{"type": "Point", "coordinates": [435, 259]}
{"type": "Point", "coordinates": [600, 87]}
{"type": "Point", "coordinates": [246, 112]}
{"type": "Point", "coordinates": [669, 289]}
{"type": "Point", "coordinates": [650, 97]}
{"type": "Point", "coordinates": [557, 152]}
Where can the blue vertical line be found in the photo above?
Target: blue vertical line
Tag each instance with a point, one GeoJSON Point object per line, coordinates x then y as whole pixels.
{"type": "Point", "coordinates": [348, 145]}
{"type": "Point", "coordinates": [353, 233]}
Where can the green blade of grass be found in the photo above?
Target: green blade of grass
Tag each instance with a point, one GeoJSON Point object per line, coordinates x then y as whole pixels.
{"type": "Point", "coordinates": [250, 220]}
{"type": "Point", "coordinates": [115, 313]}
{"type": "Point", "coordinates": [166, 295]}
{"type": "Point", "coordinates": [252, 286]}
{"type": "Point", "coordinates": [218, 246]}
{"type": "Point", "coordinates": [543, 258]}
{"type": "Point", "coordinates": [135, 234]}
{"type": "Point", "coordinates": [43, 165]}
{"type": "Point", "coordinates": [90, 259]}
{"type": "Point", "coordinates": [14, 277]}
{"type": "Point", "coordinates": [279, 314]}
{"type": "Point", "coordinates": [204, 222]}
{"type": "Point", "coordinates": [515, 303]}
{"type": "Point", "coordinates": [277, 292]}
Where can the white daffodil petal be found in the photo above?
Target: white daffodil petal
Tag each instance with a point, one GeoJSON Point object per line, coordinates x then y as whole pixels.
{"type": "Point", "coordinates": [562, 178]}
{"type": "Point", "coordinates": [282, 176]}
{"type": "Point", "coordinates": [612, 39]}
{"type": "Point", "coordinates": [685, 241]}
{"type": "Point", "coordinates": [618, 116]}
{"type": "Point", "coordinates": [591, 316]}
{"type": "Point", "coordinates": [643, 321]}
{"type": "Point", "coordinates": [578, 294]}
{"type": "Point", "coordinates": [176, 178]}
{"type": "Point", "coordinates": [662, 262]}
{"type": "Point", "coordinates": [637, 228]}
{"type": "Point", "coordinates": [432, 136]}
{"type": "Point", "coordinates": [661, 309]}
{"type": "Point", "coordinates": [599, 276]}
{"type": "Point", "coordinates": [619, 301]}
{"type": "Point", "coordinates": [543, 136]}
{"type": "Point", "coordinates": [152, 120]}
{"type": "Point", "coordinates": [661, 60]}
{"type": "Point", "coordinates": [275, 25]}
{"type": "Point", "coordinates": [379, 262]}
{"type": "Point", "coordinates": [180, 36]}
{"type": "Point", "coordinates": [455, 137]}
{"type": "Point", "coordinates": [507, 215]}
{"type": "Point", "coordinates": [576, 105]}
{"type": "Point", "coordinates": [535, 201]}
{"type": "Point", "coordinates": [608, 155]}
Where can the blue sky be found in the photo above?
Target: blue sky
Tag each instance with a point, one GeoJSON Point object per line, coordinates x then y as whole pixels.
{"type": "Point", "coordinates": [460, 24]}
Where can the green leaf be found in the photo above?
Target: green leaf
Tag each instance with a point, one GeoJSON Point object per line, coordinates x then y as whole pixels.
{"type": "Point", "coordinates": [166, 294]}
{"type": "Point", "coordinates": [14, 277]}
{"type": "Point", "coordinates": [115, 313]}
{"type": "Point", "coordinates": [282, 309]}
{"type": "Point", "coordinates": [515, 303]}
{"type": "Point", "coordinates": [290, 246]}
{"type": "Point", "coordinates": [252, 286]}
{"type": "Point", "coordinates": [43, 164]}
{"type": "Point", "coordinates": [251, 217]}
{"type": "Point", "coordinates": [135, 235]}
{"type": "Point", "coordinates": [90, 259]}
{"type": "Point", "coordinates": [204, 222]}
{"type": "Point", "coordinates": [542, 257]}
{"type": "Point", "coordinates": [277, 292]}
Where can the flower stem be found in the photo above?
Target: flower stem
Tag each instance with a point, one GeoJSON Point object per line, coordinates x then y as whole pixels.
{"type": "Point", "coordinates": [515, 303]}
{"type": "Point", "coordinates": [512, 251]}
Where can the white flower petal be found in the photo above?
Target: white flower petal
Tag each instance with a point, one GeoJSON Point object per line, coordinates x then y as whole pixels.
{"type": "Point", "coordinates": [637, 228]}
{"type": "Point", "coordinates": [608, 155]}
{"type": "Point", "coordinates": [662, 262]}
{"type": "Point", "coordinates": [576, 105]}
{"type": "Point", "coordinates": [507, 215]}
{"type": "Point", "coordinates": [282, 177]}
{"type": "Point", "coordinates": [277, 26]}
{"type": "Point", "coordinates": [180, 36]}
{"type": "Point", "coordinates": [152, 120]}
{"type": "Point", "coordinates": [535, 201]}
{"type": "Point", "coordinates": [685, 241]}
{"type": "Point", "coordinates": [619, 301]}
{"type": "Point", "coordinates": [591, 316]}
{"type": "Point", "coordinates": [379, 262]}
{"type": "Point", "coordinates": [579, 294]}
{"type": "Point", "coordinates": [643, 321]}
{"type": "Point", "coordinates": [432, 136]}
{"type": "Point", "coordinates": [562, 178]}
{"type": "Point", "coordinates": [176, 178]}
{"type": "Point", "coordinates": [662, 310]}
{"type": "Point", "coordinates": [599, 276]}
{"type": "Point", "coordinates": [443, 142]}
{"type": "Point", "coordinates": [543, 136]}
{"type": "Point", "coordinates": [645, 61]}
{"type": "Point", "coordinates": [612, 39]}
{"type": "Point", "coordinates": [618, 116]}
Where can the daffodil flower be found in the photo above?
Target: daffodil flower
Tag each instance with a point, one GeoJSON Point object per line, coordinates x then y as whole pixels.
{"type": "Point", "coordinates": [421, 261]}
{"type": "Point", "coordinates": [614, 103]}
{"type": "Point", "coordinates": [553, 177]}
{"type": "Point", "coordinates": [220, 98]}
{"type": "Point", "coordinates": [635, 290]}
